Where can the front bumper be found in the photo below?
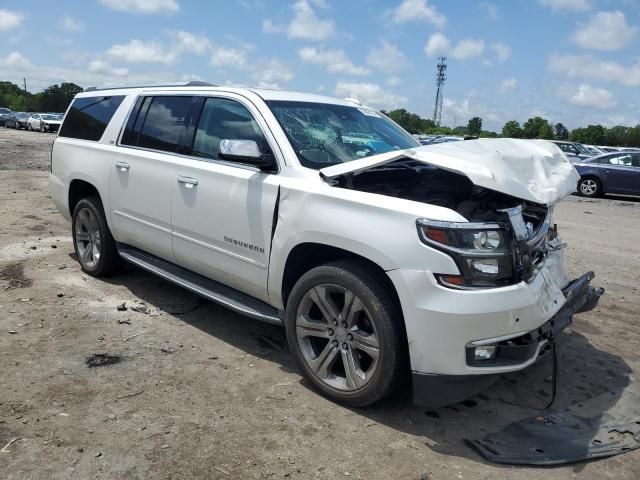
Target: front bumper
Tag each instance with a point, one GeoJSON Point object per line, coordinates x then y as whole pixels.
{"type": "Point", "coordinates": [438, 390]}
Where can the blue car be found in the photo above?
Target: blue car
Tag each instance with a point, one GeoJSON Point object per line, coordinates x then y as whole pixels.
{"type": "Point", "coordinates": [617, 172]}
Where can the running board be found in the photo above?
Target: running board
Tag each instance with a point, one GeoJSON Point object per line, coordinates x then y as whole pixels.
{"type": "Point", "coordinates": [209, 289]}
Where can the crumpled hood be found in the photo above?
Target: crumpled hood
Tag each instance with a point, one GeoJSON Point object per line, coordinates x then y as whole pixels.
{"type": "Point", "coordinates": [533, 170]}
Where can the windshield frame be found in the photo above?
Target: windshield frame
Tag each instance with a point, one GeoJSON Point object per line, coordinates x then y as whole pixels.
{"type": "Point", "coordinates": [365, 113]}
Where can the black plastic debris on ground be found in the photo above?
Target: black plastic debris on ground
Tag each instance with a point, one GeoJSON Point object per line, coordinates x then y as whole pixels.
{"type": "Point", "coordinates": [603, 426]}
{"type": "Point", "coordinates": [102, 360]}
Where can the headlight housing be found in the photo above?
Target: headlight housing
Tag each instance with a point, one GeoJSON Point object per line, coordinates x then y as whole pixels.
{"type": "Point", "coordinates": [482, 251]}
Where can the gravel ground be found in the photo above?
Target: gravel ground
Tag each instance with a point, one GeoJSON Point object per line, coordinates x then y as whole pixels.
{"type": "Point", "coordinates": [196, 391]}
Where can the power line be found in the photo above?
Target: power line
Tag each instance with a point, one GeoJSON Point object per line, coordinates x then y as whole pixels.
{"type": "Point", "coordinates": [441, 77]}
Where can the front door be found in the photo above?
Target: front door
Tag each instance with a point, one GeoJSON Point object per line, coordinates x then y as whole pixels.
{"type": "Point", "coordinates": [223, 211]}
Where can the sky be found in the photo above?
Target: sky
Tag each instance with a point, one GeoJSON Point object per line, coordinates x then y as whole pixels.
{"type": "Point", "coordinates": [570, 61]}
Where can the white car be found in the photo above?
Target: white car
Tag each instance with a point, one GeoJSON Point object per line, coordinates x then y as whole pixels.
{"type": "Point", "coordinates": [45, 122]}
{"type": "Point", "coordinates": [381, 258]}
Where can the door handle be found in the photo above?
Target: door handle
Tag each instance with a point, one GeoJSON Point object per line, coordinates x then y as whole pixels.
{"type": "Point", "coordinates": [188, 182]}
{"type": "Point", "coordinates": [122, 166]}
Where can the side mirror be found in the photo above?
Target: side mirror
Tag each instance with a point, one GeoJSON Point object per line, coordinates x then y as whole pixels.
{"type": "Point", "coordinates": [246, 151]}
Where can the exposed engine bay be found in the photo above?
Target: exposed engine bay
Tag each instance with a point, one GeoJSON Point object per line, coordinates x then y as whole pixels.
{"type": "Point", "coordinates": [413, 180]}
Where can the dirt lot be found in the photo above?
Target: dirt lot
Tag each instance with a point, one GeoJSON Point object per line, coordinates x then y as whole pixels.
{"type": "Point", "coordinates": [202, 392]}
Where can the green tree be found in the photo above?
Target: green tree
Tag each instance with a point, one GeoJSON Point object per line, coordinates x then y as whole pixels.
{"type": "Point", "coordinates": [411, 122]}
{"type": "Point", "coordinates": [512, 129]}
{"type": "Point", "coordinates": [592, 135]}
{"type": "Point", "coordinates": [474, 127]}
{"type": "Point", "coordinates": [537, 127]}
{"type": "Point", "coordinates": [560, 131]}
{"type": "Point", "coordinates": [56, 98]}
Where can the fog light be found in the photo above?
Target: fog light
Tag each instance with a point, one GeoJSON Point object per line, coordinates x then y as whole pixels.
{"type": "Point", "coordinates": [485, 352]}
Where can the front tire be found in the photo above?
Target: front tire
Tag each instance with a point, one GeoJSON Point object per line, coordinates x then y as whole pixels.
{"type": "Point", "coordinates": [29, 127]}
{"type": "Point", "coordinates": [345, 332]}
{"type": "Point", "coordinates": [590, 187]}
{"type": "Point", "coordinates": [92, 240]}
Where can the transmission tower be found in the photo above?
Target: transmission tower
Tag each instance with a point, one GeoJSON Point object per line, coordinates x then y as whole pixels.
{"type": "Point", "coordinates": [441, 76]}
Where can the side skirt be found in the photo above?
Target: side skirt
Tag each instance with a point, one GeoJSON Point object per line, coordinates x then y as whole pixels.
{"type": "Point", "coordinates": [205, 287]}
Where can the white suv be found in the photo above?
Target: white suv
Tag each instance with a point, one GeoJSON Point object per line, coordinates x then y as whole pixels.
{"type": "Point", "coordinates": [380, 257]}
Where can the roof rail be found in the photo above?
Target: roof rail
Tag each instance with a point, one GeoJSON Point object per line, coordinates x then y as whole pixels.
{"type": "Point", "coordinates": [191, 83]}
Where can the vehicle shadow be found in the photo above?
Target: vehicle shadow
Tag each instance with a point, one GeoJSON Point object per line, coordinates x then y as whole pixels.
{"type": "Point", "coordinates": [584, 372]}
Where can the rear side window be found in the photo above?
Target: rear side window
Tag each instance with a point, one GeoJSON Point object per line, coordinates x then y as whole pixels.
{"type": "Point", "coordinates": [88, 117]}
{"type": "Point", "coordinates": [161, 123]}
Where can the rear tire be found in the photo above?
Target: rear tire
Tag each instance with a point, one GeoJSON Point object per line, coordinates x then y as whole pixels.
{"type": "Point", "coordinates": [92, 240]}
{"type": "Point", "coordinates": [345, 332]}
{"type": "Point", "coordinates": [590, 187]}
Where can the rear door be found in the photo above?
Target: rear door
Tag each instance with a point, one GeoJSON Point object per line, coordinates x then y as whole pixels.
{"type": "Point", "coordinates": [619, 174]}
{"type": "Point", "coordinates": [223, 211]}
{"type": "Point", "coordinates": [143, 173]}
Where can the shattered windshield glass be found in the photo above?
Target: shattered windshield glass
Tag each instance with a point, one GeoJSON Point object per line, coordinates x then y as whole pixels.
{"type": "Point", "coordinates": [324, 134]}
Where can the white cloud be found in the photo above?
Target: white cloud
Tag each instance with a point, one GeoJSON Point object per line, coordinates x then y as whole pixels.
{"type": "Point", "coordinates": [502, 51]}
{"type": "Point", "coordinates": [272, 74]}
{"type": "Point", "coordinates": [142, 6]}
{"type": "Point", "coordinates": [305, 25]}
{"type": "Point", "coordinates": [16, 59]}
{"type": "Point", "coordinates": [138, 51]}
{"type": "Point", "coordinates": [508, 84]}
{"type": "Point", "coordinates": [369, 94]}
{"type": "Point", "coordinates": [70, 24]}
{"type": "Point", "coordinates": [491, 9]}
{"type": "Point", "coordinates": [588, 96]}
{"type": "Point", "coordinates": [586, 66]}
{"type": "Point", "coordinates": [438, 44]}
{"type": "Point", "coordinates": [605, 31]}
{"type": "Point", "coordinates": [10, 20]}
{"type": "Point", "coordinates": [15, 66]}
{"type": "Point", "coordinates": [417, 11]}
{"type": "Point", "coordinates": [105, 68]}
{"type": "Point", "coordinates": [394, 81]}
{"type": "Point", "coordinates": [387, 57]}
{"type": "Point", "coordinates": [336, 61]}
{"type": "Point", "coordinates": [231, 57]}
{"type": "Point", "coordinates": [570, 5]}
{"type": "Point", "coordinates": [455, 109]}
{"type": "Point", "coordinates": [191, 43]}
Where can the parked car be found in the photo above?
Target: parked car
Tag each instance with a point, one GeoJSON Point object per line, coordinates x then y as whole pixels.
{"type": "Point", "coordinates": [617, 172]}
{"type": "Point", "coordinates": [4, 113]}
{"type": "Point", "coordinates": [573, 148]}
{"type": "Point", "coordinates": [382, 259]}
{"type": "Point", "coordinates": [17, 120]}
{"type": "Point", "coordinates": [45, 122]}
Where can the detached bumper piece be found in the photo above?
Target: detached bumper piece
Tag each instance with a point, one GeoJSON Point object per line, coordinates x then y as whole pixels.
{"type": "Point", "coordinates": [430, 390]}
{"type": "Point", "coordinates": [602, 426]}
{"type": "Point", "coordinates": [581, 297]}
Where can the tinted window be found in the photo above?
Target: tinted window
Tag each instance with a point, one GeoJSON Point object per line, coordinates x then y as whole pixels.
{"type": "Point", "coordinates": [620, 159]}
{"type": "Point", "coordinates": [88, 117]}
{"type": "Point", "coordinates": [225, 119]}
{"type": "Point", "coordinates": [165, 123]}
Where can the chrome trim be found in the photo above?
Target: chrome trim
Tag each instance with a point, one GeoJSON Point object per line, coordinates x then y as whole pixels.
{"type": "Point", "coordinates": [144, 222]}
{"type": "Point", "coordinates": [219, 250]}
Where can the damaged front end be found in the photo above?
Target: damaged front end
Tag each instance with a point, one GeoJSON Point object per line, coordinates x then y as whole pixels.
{"type": "Point", "coordinates": [506, 191]}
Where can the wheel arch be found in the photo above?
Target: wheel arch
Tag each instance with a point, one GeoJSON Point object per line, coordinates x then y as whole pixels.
{"type": "Point", "coordinates": [305, 256]}
{"type": "Point", "coordinates": [79, 189]}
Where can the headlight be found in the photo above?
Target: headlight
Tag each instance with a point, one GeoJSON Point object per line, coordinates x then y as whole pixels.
{"type": "Point", "coordinates": [45, 124]}
{"type": "Point", "coordinates": [482, 252]}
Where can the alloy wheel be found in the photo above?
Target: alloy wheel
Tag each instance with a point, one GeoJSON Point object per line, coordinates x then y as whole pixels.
{"type": "Point", "coordinates": [588, 187]}
{"type": "Point", "coordinates": [337, 337]}
{"type": "Point", "coordinates": [87, 236]}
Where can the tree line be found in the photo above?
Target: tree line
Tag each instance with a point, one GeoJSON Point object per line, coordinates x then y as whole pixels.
{"type": "Point", "coordinates": [54, 98]}
{"type": "Point", "coordinates": [535, 127]}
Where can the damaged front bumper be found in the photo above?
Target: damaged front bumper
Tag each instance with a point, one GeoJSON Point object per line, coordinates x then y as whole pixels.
{"type": "Point", "coordinates": [438, 390]}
